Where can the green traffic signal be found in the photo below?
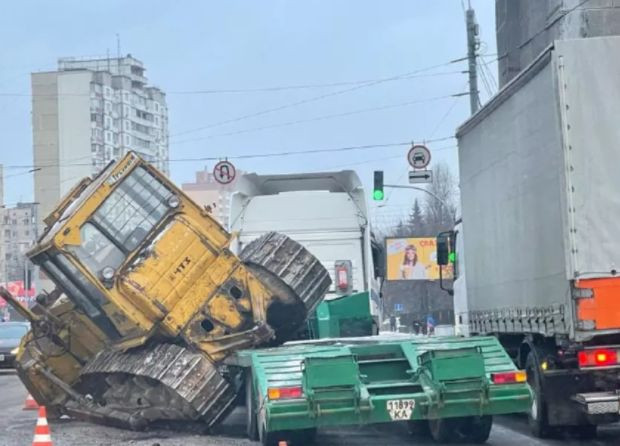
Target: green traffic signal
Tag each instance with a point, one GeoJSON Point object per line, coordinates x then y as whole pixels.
{"type": "Point", "coordinates": [377, 193]}
{"type": "Point", "coordinates": [452, 257]}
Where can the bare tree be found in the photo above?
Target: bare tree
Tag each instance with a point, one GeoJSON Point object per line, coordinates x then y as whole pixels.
{"type": "Point", "coordinates": [440, 214]}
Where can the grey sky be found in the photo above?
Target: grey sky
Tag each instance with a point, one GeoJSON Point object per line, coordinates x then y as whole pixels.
{"type": "Point", "coordinates": [204, 45]}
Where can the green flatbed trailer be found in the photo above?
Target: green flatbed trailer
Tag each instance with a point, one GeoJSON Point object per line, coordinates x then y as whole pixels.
{"type": "Point", "coordinates": [451, 385]}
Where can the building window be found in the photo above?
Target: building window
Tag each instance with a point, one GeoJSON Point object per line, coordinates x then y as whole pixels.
{"type": "Point", "coordinates": [107, 137]}
{"type": "Point", "coordinates": [156, 120]}
{"type": "Point", "coordinates": [107, 107]}
{"type": "Point", "coordinates": [127, 125]}
{"type": "Point", "coordinates": [126, 96]}
{"type": "Point", "coordinates": [127, 140]}
{"type": "Point", "coordinates": [26, 232]}
{"type": "Point", "coordinates": [107, 91]}
{"type": "Point", "coordinates": [156, 107]}
{"type": "Point", "coordinates": [7, 233]}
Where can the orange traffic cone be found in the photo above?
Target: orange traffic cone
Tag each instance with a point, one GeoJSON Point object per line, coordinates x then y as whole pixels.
{"type": "Point", "coordinates": [30, 403]}
{"type": "Point", "coordinates": [42, 435]}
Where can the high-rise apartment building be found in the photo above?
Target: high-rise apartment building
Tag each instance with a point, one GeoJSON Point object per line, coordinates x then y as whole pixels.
{"type": "Point", "coordinates": [88, 113]}
{"type": "Point", "coordinates": [18, 236]}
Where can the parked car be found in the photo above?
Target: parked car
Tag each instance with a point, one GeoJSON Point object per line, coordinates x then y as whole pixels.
{"type": "Point", "coordinates": [10, 335]}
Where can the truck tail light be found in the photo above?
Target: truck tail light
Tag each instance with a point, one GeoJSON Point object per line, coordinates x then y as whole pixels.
{"type": "Point", "coordinates": [284, 393]}
{"type": "Point", "coordinates": [518, 376]}
{"type": "Point", "coordinates": [342, 277]}
{"type": "Point", "coordinates": [598, 357]}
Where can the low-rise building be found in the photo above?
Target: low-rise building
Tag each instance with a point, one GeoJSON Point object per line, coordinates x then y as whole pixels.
{"type": "Point", "coordinates": [207, 192]}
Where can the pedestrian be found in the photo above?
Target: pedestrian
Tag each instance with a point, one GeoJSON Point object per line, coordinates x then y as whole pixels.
{"type": "Point", "coordinates": [392, 322]}
{"type": "Point", "coordinates": [430, 325]}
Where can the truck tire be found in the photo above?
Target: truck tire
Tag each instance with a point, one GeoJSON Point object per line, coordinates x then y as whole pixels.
{"type": "Point", "coordinates": [269, 438]}
{"type": "Point", "coordinates": [476, 429]}
{"type": "Point", "coordinates": [251, 408]}
{"type": "Point", "coordinates": [442, 429]}
{"type": "Point", "coordinates": [463, 429]}
{"type": "Point", "coordinates": [537, 416]}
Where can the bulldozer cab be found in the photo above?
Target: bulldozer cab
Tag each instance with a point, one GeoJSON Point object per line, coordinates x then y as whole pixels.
{"type": "Point", "coordinates": [101, 247]}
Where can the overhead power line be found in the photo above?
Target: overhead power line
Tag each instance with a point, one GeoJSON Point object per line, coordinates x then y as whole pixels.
{"type": "Point", "coordinates": [257, 155]}
{"type": "Point", "coordinates": [313, 98]}
{"type": "Point", "coordinates": [322, 118]}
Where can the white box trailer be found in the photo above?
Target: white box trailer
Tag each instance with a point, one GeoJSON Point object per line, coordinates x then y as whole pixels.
{"type": "Point", "coordinates": [540, 190]}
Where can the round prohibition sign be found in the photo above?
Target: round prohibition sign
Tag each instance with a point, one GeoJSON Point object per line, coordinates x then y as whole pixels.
{"type": "Point", "coordinates": [419, 156]}
{"type": "Point", "coordinates": [224, 172]}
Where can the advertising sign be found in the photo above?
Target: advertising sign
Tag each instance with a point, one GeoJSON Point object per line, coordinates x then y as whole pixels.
{"type": "Point", "coordinates": [413, 259]}
{"type": "Point", "coordinates": [16, 288]}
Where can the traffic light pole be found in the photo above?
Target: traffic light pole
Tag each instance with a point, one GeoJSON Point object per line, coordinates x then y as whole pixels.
{"type": "Point", "coordinates": [435, 196]}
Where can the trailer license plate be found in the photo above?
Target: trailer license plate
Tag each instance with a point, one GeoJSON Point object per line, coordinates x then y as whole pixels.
{"type": "Point", "coordinates": [400, 409]}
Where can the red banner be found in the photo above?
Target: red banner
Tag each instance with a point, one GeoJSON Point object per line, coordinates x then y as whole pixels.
{"type": "Point", "coordinates": [16, 288]}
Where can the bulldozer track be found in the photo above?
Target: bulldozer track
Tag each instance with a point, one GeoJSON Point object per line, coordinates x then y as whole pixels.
{"type": "Point", "coordinates": [165, 381]}
{"type": "Point", "coordinates": [279, 256]}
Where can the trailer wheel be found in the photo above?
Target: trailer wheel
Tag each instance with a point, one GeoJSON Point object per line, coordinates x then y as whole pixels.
{"type": "Point", "coordinates": [442, 429]}
{"type": "Point", "coordinates": [250, 406]}
{"type": "Point", "coordinates": [476, 429]}
{"type": "Point", "coordinates": [269, 438]}
{"type": "Point", "coordinates": [537, 416]}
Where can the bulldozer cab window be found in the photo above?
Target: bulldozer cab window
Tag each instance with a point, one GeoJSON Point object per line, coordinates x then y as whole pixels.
{"type": "Point", "coordinates": [96, 250]}
{"type": "Point", "coordinates": [133, 209]}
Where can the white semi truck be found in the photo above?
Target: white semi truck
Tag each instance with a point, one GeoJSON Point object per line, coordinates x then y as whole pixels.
{"type": "Point", "coordinates": [327, 213]}
{"type": "Point", "coordinates": [540, 190]}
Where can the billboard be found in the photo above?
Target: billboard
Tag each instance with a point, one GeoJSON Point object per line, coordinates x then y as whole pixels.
{"type": "Point", "coordinates": [413, 259]}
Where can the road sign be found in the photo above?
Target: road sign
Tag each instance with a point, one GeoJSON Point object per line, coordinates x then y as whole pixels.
{"type": "Point", "coordinates": [398, 307]}
{"type": "Point", "coordinates": [419, 156]}
{"type": "Point", "coordinates": [420, 176]}
{"type": "Point", "coordinates": [224, 172]}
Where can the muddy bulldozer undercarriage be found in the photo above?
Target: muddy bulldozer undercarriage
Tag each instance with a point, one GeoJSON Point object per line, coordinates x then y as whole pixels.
{"type": "Point", "coordinates": [171, 379]}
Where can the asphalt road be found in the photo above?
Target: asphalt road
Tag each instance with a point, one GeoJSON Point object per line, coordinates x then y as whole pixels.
{"type": "Point", "coordinates": [17, 427]}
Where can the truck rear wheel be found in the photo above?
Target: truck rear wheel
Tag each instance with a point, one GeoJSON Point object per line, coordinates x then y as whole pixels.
{"type": "Point", "coordinates": [301, 437]}
{"type": "Point", "coordinates": [442, 430]}
{"type": "Point", "coordinates": [464, 429]}
{"type": "Point", "coordinates": [476, 429]}
{"type": "Point", "coordinates": [537, 416]}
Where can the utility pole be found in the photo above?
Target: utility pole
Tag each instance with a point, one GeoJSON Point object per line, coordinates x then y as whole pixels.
{"type": "Point", "coordinates": [472, 46]}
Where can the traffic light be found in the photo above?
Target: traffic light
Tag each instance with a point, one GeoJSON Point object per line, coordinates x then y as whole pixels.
{"type": "Point", "coordinates": [377, 191]}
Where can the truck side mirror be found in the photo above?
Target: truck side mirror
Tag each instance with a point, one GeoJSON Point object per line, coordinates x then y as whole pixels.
{"type": "Point", "coordinates": [443, 248]}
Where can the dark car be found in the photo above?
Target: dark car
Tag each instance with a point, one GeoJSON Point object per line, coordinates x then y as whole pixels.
{"type": "Point", "coordinates": [10, 335]}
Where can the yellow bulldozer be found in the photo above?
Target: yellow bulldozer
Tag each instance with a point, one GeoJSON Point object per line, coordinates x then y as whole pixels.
{"type": "Point", "coordinates": [149, 302]}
